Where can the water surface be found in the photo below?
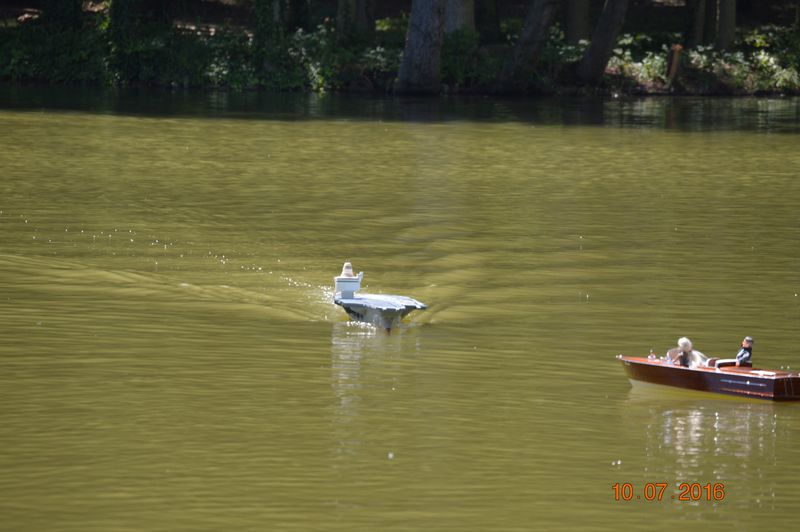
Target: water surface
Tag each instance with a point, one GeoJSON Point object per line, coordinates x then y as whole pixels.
{"type": "Point", "coordinates": [170, 358]}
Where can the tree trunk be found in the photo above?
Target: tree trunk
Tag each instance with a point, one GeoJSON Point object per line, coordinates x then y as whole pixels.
{"type": "Point", "coordinates": [420, 70]}
{"type": "Point", "coordinates": [345, 16]}
{"type": "Point", "coordinates": [487, 22]}
{"type": "Point", "coordinates": [459, 14]}
{"type": "Point", "coordinates": [522, 60]}
{"type": "Point", "coordinates": [122, 24]}
{"type": "Point", "coordinates": [127, 18]}
{"type": "Point", "coordinates": [696, 19]}
{"type": "Point", "coordinates": [296, 14]}
{"type": "Point", "coordinates": [365, 21]}
{"type": "Point", "coordinates": [593, 65]}
{"type": "Point", "coordinates": [132, 22]}
{"type": "Point", "coordinates": [578, 21]}
{"type": "Point", "coordinates": [726, 28]}
{"type": "Point", "coordinates": [355, 17]}
{"type": "Point", "coordinates": [710, 22]}
{"type": "Point", "coordinates": [267, 14]}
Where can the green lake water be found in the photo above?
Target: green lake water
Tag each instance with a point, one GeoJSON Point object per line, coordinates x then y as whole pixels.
{"type": "Point", "coordinates": [170, 358]}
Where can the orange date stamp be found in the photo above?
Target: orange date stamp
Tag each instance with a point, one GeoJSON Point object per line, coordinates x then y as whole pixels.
{"type": "Point", "coordinates": [657, 491]}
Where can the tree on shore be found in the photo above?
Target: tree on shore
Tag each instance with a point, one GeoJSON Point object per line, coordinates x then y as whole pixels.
{"type": "Point", "coordinates": [520, 63]}
{"type": "Point", "coordinates": [267, 28]}
{"type": "Point", "coordinates": [355, 17]}
{"type": "Point", "coordinates": [458, 15]}
{"type": "Point", "coordinates": [420, 69]}
{"type": "Point", "coordinates": [591, 68]}
{"type": "Point", "coordinates": [578, 23]}
{"type": "Point", "coordinates": [710, 22]}
{"type": "Point", "coordinates": [693, 34]}
{"type": "Point", "coordinates": [296, 14]}
{"type": "Point", "coordinates": [726, 24]}
{"type": "Point", "coordinates": [130, 23]}
{"type": "Point", "coordinates": [487, 22]}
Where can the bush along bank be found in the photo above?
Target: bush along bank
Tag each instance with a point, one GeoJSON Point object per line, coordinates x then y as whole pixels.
{"type": "Point", "coordinates": [763, 60]}
{"type": "Point", "coordinates": [188, 56]}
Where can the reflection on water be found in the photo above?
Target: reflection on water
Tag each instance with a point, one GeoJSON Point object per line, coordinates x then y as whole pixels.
{"type": "Point", "coordinates": [358, 348]}
{"type": "Point", "coordinates": [684, 114]}
{"type": "Point", "coordinates": [700, 438]}
{"type": "Point", "coordinates": [694, 434]}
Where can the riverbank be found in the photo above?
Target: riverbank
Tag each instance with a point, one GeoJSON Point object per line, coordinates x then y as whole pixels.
{"type": "Point", "coordinates": [763, 60]}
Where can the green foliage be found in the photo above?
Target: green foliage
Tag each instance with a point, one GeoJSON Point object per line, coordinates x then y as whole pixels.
{"type": "Point", "coordinates": [763, 60]}
{"type": "Point", "coordinates": [465, 64]}
{"type": "Point", "coordinates": [653, 67]}
{"type": "Point", "coordinates": [511, 28]}
{"type": "Point", "coordinates": [40, 51]}
{"type": "Point", "coordinates": [267, 30]}
{"type": "Point", "coordinates": [556, 57]}
{"type": "Point", "coordinates": [175, 57]}
{"type": "Point", "coordinates": [322, 59]}
{"type": "Point", "coordinates": [767, 60]}
{"type": "Point", "coordinates": [782, 42]}
{"type": "Point", "coordinates": [391, 32]}
{"type": "Point", "coordinates": [329, 65]}
{"type": "Point", "coordinates": [231, 62]}
{"type": "Point", "coordinates": [379, 65]}
{"type": "Point", "coordinates": [459, 56]}
{"type": "Point", "coordinates": [136, 42]}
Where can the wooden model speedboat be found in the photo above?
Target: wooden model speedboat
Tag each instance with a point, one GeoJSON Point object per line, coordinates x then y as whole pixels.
{"type": "Point", "coordinates": [743, 381]}
{"type": "Point", "coordinates": [381, 310]}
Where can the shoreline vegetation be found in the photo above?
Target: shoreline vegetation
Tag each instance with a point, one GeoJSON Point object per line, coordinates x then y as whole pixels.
{"type": "Point", "coordinates": [550, 47]}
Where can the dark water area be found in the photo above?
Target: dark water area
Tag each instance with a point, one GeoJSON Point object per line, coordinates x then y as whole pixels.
{"type": "Point", "coordinates": [773, 114]}
{"type": "Point", "coordinates": [171, 359]}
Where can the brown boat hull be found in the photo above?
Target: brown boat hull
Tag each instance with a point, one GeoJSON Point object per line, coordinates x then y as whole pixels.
{"type": "Point", "coordinates": [771, 385]}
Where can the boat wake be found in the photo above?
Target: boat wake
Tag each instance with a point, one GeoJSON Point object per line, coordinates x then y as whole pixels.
{"type": "Point", "coordinates": [64, 278]}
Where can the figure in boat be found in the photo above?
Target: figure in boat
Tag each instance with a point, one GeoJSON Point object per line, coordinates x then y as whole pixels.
{"type": "Point", "coordinates": [742, 357]}
{"type": "Point", "coordinates": [685, 355]}
{"type": "Point", "coordinates": [381, 310]}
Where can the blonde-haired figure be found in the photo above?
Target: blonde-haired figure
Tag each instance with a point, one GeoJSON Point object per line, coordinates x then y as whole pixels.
{"type": "Point", "coordinates": [685, 355]}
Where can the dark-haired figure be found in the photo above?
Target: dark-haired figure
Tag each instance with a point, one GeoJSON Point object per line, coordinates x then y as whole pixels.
{"type": "Point", "coordinates": [744, 354]}
{"type": "Point", "coordinates": [742, 357]}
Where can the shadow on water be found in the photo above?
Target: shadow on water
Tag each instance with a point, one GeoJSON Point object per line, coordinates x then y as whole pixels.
{"type": "Point", "coordinates": [776, 115]}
